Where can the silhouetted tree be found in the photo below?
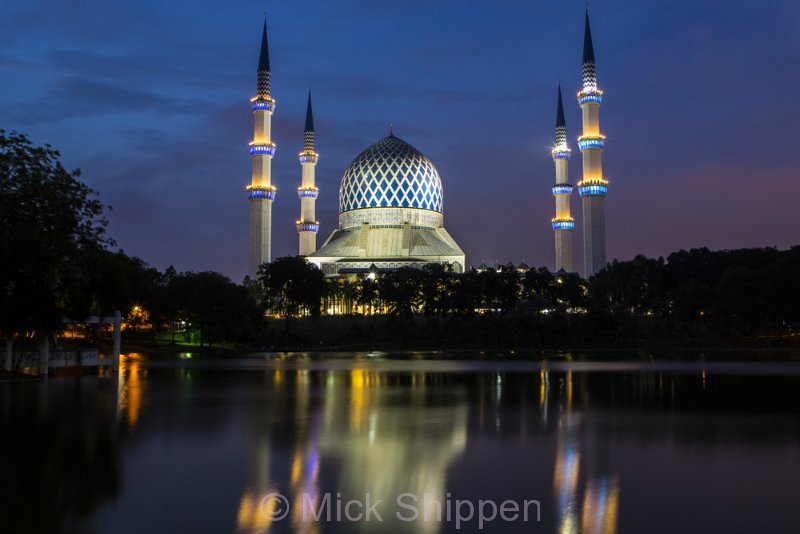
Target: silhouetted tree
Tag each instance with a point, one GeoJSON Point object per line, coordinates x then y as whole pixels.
{"type": "Point", "coordinates": [290, 285]}
{"type": "Point", "coordinates": [51, 224]}
{"type": "Point", "coordinates": [220, 308]}
{"type": "Point", "coordinates": [399, 290]}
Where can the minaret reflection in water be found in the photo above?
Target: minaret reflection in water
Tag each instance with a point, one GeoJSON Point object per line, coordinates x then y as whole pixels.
{"type": "Point", "coordinates": [381, 434]}
{"type": "Point", "coordinates": [349, 433]}
{"type": "Point", "coordinates": [600, 499]}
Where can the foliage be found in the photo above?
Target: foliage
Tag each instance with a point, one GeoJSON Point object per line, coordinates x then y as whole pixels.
{"type": "Point", "coordinates": [51, 229]}
{"type": "Point", "coordinates": [55, 262]}
{"type": "Point", "coordinates": [221, 309]}
{"type": "Point", "coordinates": [290, 285]}
{"type": "Point", "coordinates": [399, 290]}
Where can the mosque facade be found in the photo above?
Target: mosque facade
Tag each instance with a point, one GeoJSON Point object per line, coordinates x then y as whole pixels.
{"type": "Point", "coordinates": [391, 197]}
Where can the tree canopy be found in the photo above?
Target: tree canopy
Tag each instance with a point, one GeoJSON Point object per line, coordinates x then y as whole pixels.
{"type": "Point", "coordinates": [290, 285]}
{"type": "Point", "coordinates": [52, 227]}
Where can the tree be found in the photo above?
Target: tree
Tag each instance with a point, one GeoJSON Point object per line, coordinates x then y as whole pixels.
{"type": "Point", "coordinates": [290, 285]}
{"type": "Point", "coordinates": [466, 293]}
{"type": "Point", "coordinates": [435, 289]}
{"type": "Point", "coordinates": [635, 286]}
{"type": "Point", "coordinates": [51, 225]}
{"type": "Point", "coordinates": [223, 310]}
{"type": "Point", "coordinates": [400, 290]}
{"type": "Point", "coordinates": [367, 291]}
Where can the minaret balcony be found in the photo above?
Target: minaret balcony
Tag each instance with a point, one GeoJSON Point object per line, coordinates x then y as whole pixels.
{"type": "Point", "coordinates": [308, 192]}
{"type": "Point", "coordinates": [260, 148]}
{"type": "Point", "coordinates": [589, 142]}
{"type": "Point", "coordinates": [308, 156]}
{"type": "Point", "coordinates": [593, 188]}
{"type": "Point", "coordinates": [590, 95]}
{"type": "Point", "coordinates": [563, 223]}
{"type": "Point", "coordinates": [560, 152]}
{"type": "Point", "coordinates": [262, 103]}
{"type": "Point", "coordinates": [562, 189]}
{"type": "Point", "coordinates": [260, 192]}
{"type": "Point", "coordinates": [307, 226]}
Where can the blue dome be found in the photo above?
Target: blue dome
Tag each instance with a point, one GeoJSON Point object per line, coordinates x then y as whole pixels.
{"type": "Point", "coordinates": [391, 174]}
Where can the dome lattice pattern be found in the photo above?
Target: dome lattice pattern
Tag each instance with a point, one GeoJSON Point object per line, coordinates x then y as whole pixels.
{"type": "Point", "coordinates": [391, 174]}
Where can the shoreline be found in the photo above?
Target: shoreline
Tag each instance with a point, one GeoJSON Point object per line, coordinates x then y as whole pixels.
{"type": "Point", "coordinates": [653, 352]}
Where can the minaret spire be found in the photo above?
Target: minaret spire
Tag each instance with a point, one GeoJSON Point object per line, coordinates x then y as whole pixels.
{"type": "Point", "coordinates": [588, 47]}
{"type": "Point", "coordinates": [563, 223]}
{"type": "Point", "coordinates": [264, 71]}
{"type": "Point", "coordinates": [560, 122]}
{"type": "Point", "coordinates": [263, 58]}
{"type": "Point", "coordinates": [594, 187]}
{"type": "Point", "coordinates": [308, 226]}
{"type": "Point", "coordinates": [261, 192]}
{"type": "Point", "coordinates": [309, 115]}
{"type": "Point", "coordinates": [589, 64]}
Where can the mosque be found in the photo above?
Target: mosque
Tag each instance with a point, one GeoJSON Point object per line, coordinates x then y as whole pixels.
{"type": "Point", "coordinates": [391, 196]}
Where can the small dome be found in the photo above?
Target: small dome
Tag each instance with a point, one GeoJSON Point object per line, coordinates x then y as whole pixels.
{"type": "Point", "coordinates": [391, 174]}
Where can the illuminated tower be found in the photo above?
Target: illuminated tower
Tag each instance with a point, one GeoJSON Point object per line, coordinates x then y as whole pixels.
{"type": "Point", "coordinates": [563, 223]}
{"type": "Point", "coordinates": [260, 192]}
{"type": "Point", "coordinates": [308, 226]}
{"type": "Point", "coordinates": [594, 187]}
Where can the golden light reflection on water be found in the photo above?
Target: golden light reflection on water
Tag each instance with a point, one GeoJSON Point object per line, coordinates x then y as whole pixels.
{"type": "Point", "coordinates": [542, 387]}
{"type": "Point", "coordinates": [227, 438]}
{"type": "Point", "coordinates": [384, 450]}
{"type": "Point", "coordinates": [384, 437]}
{"type": "Point", "coordinates": [599, 501]}
{"type": "Point", "coordinates": [255, 513]}
{"type": "Point", "coordinates": [600, 506]}
{"type": "Point", "coordinates": [131, 388]}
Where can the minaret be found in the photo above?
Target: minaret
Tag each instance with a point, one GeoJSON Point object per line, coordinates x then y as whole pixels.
{"type": "Point", "coordinates": [594, 187]}
{"type": "Point", "coordinates": [261, 192]}
{"type": "Point", "coordinates": [563, 223]}
{"type": "Point", "coordinates": [308, 226]}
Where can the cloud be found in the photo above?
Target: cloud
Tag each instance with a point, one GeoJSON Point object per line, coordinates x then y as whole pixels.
{"type": "Point", "coordinates": [73, 97]}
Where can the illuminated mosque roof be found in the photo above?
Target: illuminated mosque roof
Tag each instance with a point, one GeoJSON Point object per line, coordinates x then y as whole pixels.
{"type": "Point", "coordinates": [390, 213]}
{"type": "Point", "coordinates": [391, 174]}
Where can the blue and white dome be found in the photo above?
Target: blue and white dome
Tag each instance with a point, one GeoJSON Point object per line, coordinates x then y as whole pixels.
{"type": "Point", "coordinates": [391, 174]}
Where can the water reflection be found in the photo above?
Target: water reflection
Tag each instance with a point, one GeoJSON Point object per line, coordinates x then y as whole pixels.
{"type": "Point", "coordinates": [60, 454]}
{"type": "Point", "coordinates": [381, 433]}
{"type": "Point", "coordinates": [131, 383]}
{"type": "Point", "coordinates": [600, 496]}
{"type": "Point", "coordinates": [93, 453]}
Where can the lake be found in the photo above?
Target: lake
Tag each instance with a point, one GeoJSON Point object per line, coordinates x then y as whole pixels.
{"type": "Point", "coordinates": [376, 443]}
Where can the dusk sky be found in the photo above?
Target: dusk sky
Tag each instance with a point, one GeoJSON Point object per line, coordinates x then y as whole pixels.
{"type": "Point", "coordinates": [150, 100]}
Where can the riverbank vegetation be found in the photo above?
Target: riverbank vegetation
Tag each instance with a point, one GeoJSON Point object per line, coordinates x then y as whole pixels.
{"type": "Point", "coordinates": [58, 262]}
